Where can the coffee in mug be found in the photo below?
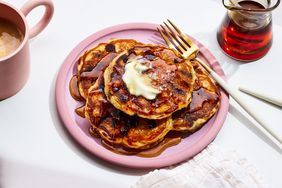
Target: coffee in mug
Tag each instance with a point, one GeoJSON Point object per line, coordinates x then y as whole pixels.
{"type": "Point", "coordinates": [10, 37]}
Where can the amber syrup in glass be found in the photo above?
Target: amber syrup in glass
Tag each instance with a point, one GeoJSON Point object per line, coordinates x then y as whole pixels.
{"type": "Point", "coordinates": [243, 43]}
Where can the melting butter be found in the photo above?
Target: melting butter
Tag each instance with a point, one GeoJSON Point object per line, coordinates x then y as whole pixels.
{"type": "Point", "coordinates": [136, 81]}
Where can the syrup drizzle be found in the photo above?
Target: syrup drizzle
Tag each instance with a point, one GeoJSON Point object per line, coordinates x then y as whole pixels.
{"type": "Point", "coordinates": [199, 97]}
{"type": "Point", "coordinates": [80, 111]}
{"type": "Point", "coordinates": [74, 90]}
{"type": "Point", "coordinates": [99, 68]}
{"type": "Point", "coordinates": [152, 152]}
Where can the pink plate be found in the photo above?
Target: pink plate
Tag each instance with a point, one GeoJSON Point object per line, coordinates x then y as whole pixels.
{"type": "Point", "coordinates": [78, 127]}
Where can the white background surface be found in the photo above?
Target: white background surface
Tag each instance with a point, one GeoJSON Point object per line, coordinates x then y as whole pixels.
{"type": "Point", "coordinates": [35, 149]}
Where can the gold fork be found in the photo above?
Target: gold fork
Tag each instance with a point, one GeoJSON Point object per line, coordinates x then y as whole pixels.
{"type": "Point", "coordinates": [180, 42]}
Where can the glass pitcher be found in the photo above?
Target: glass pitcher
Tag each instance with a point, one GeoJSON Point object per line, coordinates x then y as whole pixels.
{"type": "Point", "coordinates": [246, 31]}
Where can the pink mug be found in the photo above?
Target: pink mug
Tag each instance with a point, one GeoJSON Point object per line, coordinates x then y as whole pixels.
{"type": "Point", "coordinates": [15, 67]}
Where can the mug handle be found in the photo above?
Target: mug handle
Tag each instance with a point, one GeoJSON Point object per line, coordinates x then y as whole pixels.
{"type": "Point", "coordinates": [49, 10]}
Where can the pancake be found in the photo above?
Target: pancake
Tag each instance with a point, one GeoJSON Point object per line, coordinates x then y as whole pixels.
{"type": "Point", "coordinates": [205, 102]}
{"type": "Point", "coordinates": [171, 75]}
{"type": "Point", "coordinates": [118, 128]}
{"type": "Point", "coordinates": [95, 60]}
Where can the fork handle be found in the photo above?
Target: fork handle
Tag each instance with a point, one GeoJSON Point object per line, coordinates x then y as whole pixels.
{"type": "Point", "coordinates": [276, 139]}
{"type": "Point", "coordinates": [276, 100]}
{"type": "Point", "coordinates": [236, 95]}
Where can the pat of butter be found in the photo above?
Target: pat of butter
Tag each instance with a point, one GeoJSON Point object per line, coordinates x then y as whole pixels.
{"type": "Point", "coordinates": [138, 83]}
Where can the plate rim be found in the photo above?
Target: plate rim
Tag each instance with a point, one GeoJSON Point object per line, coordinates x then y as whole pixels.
{"type": "Point", "coordinates": [113, 157]}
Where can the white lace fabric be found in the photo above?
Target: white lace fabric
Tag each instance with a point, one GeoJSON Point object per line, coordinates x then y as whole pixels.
{"type": "Point", "coordinates": [212, 168]}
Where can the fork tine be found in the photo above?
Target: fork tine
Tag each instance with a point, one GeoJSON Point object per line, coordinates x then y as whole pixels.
{"type": "Point", "coordinates": [176, 37]}
{"type": "Point", "coordinates": [182, 34]}
{"type": "Point", "coordinates": [168, 42]}
{"type": "Point", "coordinates": [173, 41]}
{"type": "Point", "coordinates": [166, 39]}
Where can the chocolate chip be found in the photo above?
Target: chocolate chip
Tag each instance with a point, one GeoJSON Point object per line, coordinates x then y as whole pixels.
{"type": "Point", "coordinates": [124, 58]}
{"type": "Point", "coordinates": [124, 130]}
{"type": "Point", "coordinates": [133, 121]}
{"type": "Point", "coordinates": [179, 92]}
{"type": "Point", "coordinates": [98, 55]}
{"type": "Point", "coordinates": [150, 57]}
{"type": "Point", "coordinates": [88, 68]}
{"type": "Point", "coordinates": [110, 48]}
{"type": "Point", "coordinates": [152, 124]}
{"type": "Point", "coordinates": [114, 113]}
{"type": "Point", "coordinates": [113, 123]}
{"type": "Point", "coordinates": [101, 87]}
{"type": "Point", "coordinates": [123, 98]}
{"type": "Point", "coordinates": [176, 60]}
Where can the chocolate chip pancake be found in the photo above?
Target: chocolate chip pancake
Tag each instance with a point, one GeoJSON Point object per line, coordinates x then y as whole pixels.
{"type": "Point", "coordinates": [95, 60]}
{"type": "Point", "coordinates": [167, 79]}
{"type": "Point", "coordinates": [205, 102]}
{"type": "Point", "coordinates": [118, 128]}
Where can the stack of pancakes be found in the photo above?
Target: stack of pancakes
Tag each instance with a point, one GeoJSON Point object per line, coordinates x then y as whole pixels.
{"type": "Point", "coordinates": [130, 124]}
